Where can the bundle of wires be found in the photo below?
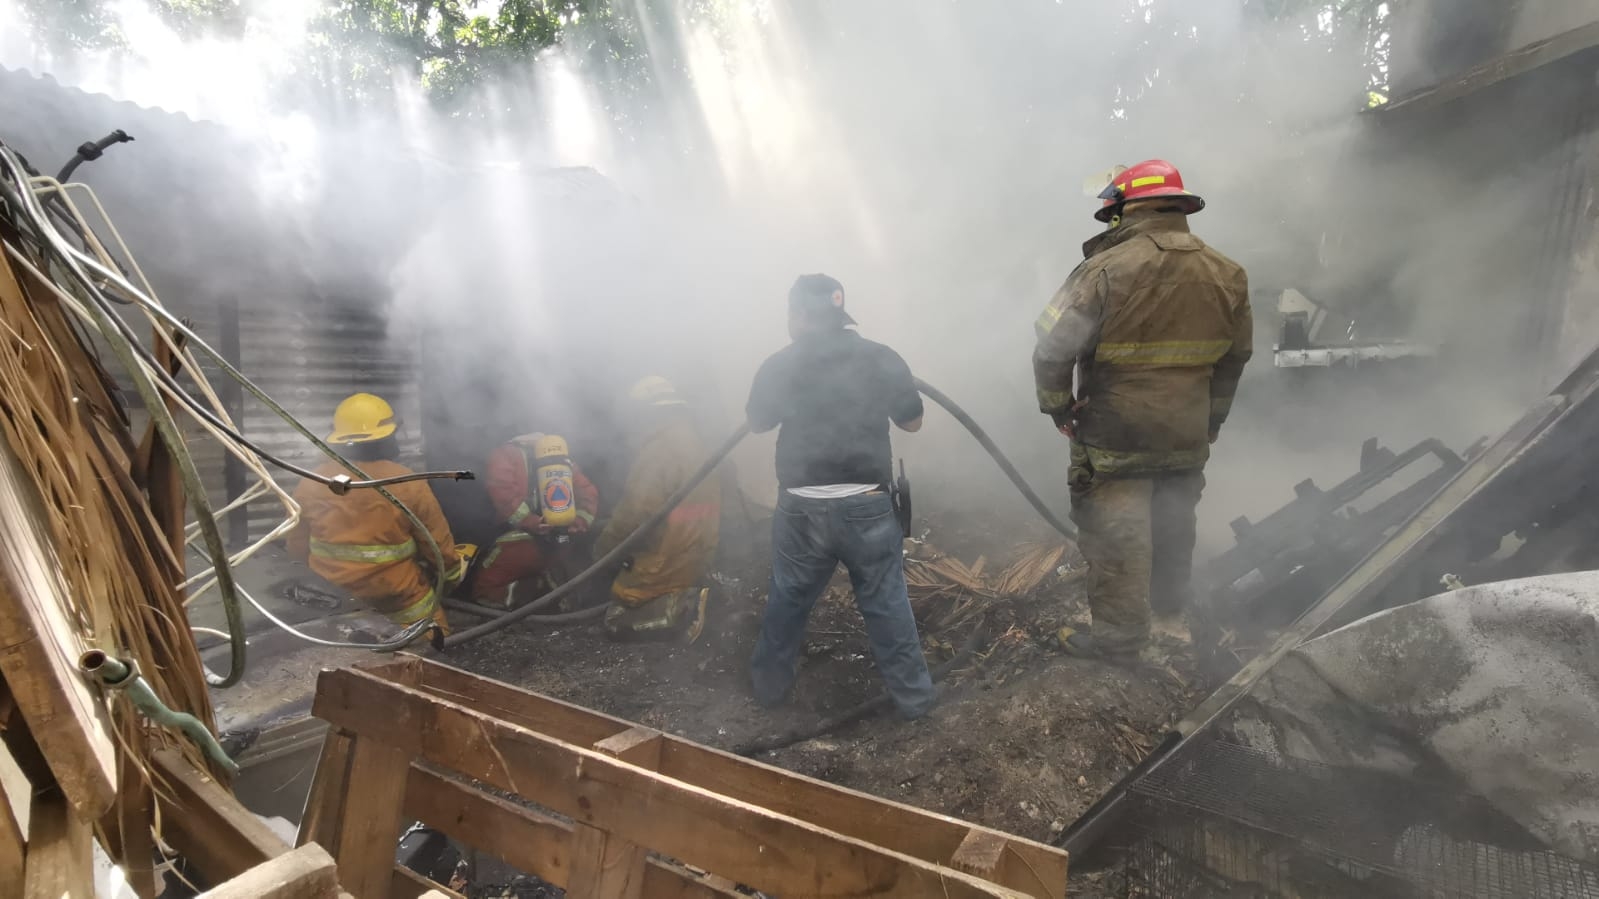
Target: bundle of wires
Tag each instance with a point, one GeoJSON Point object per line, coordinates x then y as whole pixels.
{"type": "Point", "coordinates": [90, 284]}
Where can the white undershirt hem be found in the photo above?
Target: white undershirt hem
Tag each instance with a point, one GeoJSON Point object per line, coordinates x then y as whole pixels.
{"type": "Point", "coordinates": [833, 491]}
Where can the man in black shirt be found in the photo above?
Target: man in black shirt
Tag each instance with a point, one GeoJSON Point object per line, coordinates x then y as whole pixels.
{"type": "Point", "coordinates": [833, 393]}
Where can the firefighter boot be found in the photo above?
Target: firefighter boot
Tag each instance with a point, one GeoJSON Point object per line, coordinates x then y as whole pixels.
{"type": "Point", "coordinates": [660, 618]}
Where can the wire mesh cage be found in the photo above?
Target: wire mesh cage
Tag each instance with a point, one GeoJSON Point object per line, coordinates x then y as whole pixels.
{"type": "Point", "coordinates": [1224, 820]}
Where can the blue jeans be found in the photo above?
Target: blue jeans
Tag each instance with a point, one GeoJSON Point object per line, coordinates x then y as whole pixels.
{"type": "Point", "coordinates": [809, 538]}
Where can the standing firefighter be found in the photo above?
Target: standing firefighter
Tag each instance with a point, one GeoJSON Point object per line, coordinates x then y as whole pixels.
{"type": "Point", "coordinates": [543, 499]}
{"type": "Point", "coordinates": [1157, 326]}
{"type": "Point", "coordinates": [831, 394]}
{"type": "Point", "coordinates": [660, 589]}
{"type": "Point", "coordinates": [359, 541]}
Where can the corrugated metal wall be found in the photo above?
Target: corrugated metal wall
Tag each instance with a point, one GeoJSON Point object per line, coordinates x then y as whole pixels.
{"type": "Point", "coordinates": [309, 359]}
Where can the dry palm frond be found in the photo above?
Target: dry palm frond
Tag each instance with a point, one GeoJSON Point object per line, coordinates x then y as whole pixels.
{"type": "Point", "coordinates": [71, 436]}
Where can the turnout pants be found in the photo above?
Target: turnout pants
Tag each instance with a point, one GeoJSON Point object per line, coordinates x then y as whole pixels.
{"type": "Point", "coordinates": [1137, 534]}
{"type": "Point", "coordinates": [810, 537]}
{"type": "Point", "coordinates": [515, 557]}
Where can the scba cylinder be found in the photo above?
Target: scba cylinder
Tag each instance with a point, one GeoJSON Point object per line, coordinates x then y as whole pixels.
{"type": "Point", "coordinates": [556, 485]}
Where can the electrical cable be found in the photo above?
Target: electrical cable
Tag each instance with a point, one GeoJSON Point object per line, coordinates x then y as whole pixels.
{"type": "Point", "coordinates": [160, 418]}
{"type": "Point", "coordinates": [130, 351]}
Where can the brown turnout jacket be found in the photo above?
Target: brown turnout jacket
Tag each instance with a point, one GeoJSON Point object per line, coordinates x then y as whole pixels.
{"type": "Point", "coordinates": [675, 555]}
{"type": "Point", "coordinates": [1158, 326]}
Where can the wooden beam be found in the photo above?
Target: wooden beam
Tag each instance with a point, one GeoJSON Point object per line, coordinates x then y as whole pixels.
{"type": "Point", "coordinates": [60, 851]}
{"type": "Point", "coordinates": [304, 873]}
{"type": "Point", "coordinates": [370, 826]}
{"type": "Point", "coordinates": [1513, 64]}
{"type": "Point", "coordinates": [526, 839]}
{"type": "Point", "coordinates": [605, 866]}
{"type": "Point", "coordinates": [204, 822]}
{"type": "Point", "coordinates": [1040, 870]}
{"type": "Point", "coordinates": [980, 854]}
{"type": "Point", "coordinates": [562, 720]}
{"type": "Point", "coordinates": [531, 842]}
{"type": "Point", "coordinates": [40, 646]}
{"type": "Point", "coordinates": [12, 843]}
{"type": "Point", "coordinates": [753, 845]}
{"type": "Point", "coordinates": [125, 831]}
{"type": "Point", "coordinates": [324, 804]}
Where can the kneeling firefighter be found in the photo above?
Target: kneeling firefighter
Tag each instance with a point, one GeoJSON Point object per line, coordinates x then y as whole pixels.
{"type": "Point", "coordinates": [545, 499]}
{"type": "Point", "coordinates": [659, 589]}
{"type": "Point", "coordinates": [359, 541]}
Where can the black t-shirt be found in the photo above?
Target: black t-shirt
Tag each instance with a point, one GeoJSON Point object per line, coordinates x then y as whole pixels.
{"type": "Point", "coordinates": [833, 395]}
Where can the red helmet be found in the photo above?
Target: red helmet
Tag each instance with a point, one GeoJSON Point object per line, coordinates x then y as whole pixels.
{"type": "Point", "coordinates": [1151, 178]}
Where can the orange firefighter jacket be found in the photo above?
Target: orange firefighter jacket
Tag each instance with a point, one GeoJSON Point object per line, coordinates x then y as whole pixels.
{"type": "Point", "coordinates": [676, 555]}
{"type": "Point", "coordinates": [512, 483]}
{"type": "Point", "coordinates": [363, 544]}
{"type": "Point", "coordinates": [1158, 326]}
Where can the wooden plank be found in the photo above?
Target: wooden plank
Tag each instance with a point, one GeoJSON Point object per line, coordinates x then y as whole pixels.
{"type": "Point", "coordinates": [1511, 65]}
{"type": "Point", "coordinates": [370, 825]}
{"type": "Point", "coordinates": [639, 746]}
{"type": "Point", "coordinates": [60, 851]}
{"type": "Point", "coordinates": [125, 832]}
{"type": "Point", "coordinates": [40, 646]}
{"type": "Point", "coordinates": [752, 845]}
{"type": "Point", "coordinates": [528, 840]}
{"type": "Point", "coordinates": [561, 720]}
{"type": "Point", "coordinates": [204, 822]}
{"type": "Point", "coordinates": [1040, 870]}
{"type": "Point", "coordinates": [304, 873]}
{"type": "Point", "coordinates": [980, 853]}
{"type": "Point", "coordinates": [12, 844]}
{"type": "Point", "coordinates": [324, 804]}
{"type": "Point", "coordinates": [605, 866]}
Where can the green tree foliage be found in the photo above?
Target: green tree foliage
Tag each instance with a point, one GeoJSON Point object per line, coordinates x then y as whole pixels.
{"type": "Point", "coordinates": [445, 46]}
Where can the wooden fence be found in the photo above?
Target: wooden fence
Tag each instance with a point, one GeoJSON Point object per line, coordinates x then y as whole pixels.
{"type": "Point", "coordinates": [610, 810]}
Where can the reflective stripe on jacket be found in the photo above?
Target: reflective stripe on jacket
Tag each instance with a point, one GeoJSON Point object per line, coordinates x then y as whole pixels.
{"type": "Point", "coordinates": [1157, 327]}
{"type": "Point", "coordinates": [361, 543]}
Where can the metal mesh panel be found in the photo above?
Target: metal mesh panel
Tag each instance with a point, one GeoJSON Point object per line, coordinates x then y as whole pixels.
{"type": "Point", "coordinates": [1221, 819]}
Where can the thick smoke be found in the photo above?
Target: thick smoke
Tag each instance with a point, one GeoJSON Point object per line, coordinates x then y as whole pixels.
{"type": "Point", "coordinates": [931, 155]}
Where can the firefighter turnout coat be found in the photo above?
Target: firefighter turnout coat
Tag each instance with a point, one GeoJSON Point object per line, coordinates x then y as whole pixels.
{"type": "Point", "coordinates": [677, 554]}
{"type": "Point", "coordinates": [1157, 325]}
{"type": "Point", "coordinates": [361, 543]}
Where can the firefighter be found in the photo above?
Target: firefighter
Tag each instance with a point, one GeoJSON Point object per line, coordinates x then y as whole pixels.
{"type": "Point", "coordinates": [539, 518]}
{"type": "Point", "coordinates": [359, 541]}
{"type": "Point", "coordinates": [661, 588]}
{"type": "Point", "coordinates": [1157, 326]}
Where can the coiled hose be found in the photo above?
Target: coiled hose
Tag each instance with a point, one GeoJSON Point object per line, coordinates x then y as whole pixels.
{"type": "Point", "coordinates": [531, 610]}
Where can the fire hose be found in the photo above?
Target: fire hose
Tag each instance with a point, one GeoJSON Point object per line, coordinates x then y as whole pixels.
{"type": "Point", "coordinates": [531, 610]}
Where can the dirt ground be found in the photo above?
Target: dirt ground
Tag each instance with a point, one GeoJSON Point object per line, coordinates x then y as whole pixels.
{"type": "Point", "coordinates": [1024, 738]}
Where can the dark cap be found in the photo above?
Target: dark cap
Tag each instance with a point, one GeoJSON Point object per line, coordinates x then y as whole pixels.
{"type": "Point", "coordinates": [819, 296]}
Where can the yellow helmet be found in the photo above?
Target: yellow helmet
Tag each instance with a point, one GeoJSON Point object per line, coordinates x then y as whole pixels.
{"type": "Point", "coordinates": [654, 390]}
{"type": "Point", "coordinates": [362, 418]}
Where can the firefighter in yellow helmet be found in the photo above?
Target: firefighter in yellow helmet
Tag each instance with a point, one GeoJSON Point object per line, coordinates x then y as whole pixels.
{"type": "Point", "coordinates": [359, 541]}
{"type": "Point", "coordinates": [659, 590]}
{"type": "Point", "coordinates": [1156, 325]}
